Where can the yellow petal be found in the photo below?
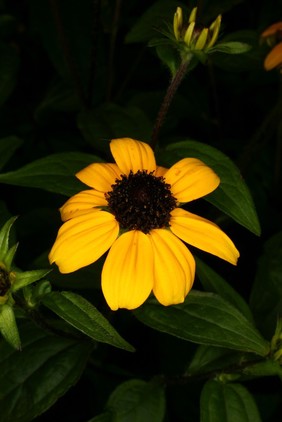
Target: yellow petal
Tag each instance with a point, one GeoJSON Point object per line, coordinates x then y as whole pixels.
{"type": "Point", "coordinates": [130, 154]}
{"type": "Point", "coordinates": [189, 33]}
{"type": "Point", "coordinates": [201, 41]}
{"type": "Point", "coordinates": [177, 22]}
{"type": "Point", "coordinates": [274, 58]}
{"type": "Point", "coordinates": [214, 28]}
{"type": "Point", "coordinates": [193, 14]}
{"type": "Point", "coordinates": [127, 276]}
{"type": "Point", "coordinates": [191, 179]}
{"type": "Point", "coordinates": [81, 203]}
{"type": "Point", "coordinates": [272, 29]}
{"type": "Point", "coordinates": [83, 239]}
{"type": "Point", "coordinates": [100, 176]}
{"type": "Point", "coordinates": [174, 267]}
{"type": "Point", "coordinates": [160, 171]}
{"type": "Point", "coordinates": [203, 234]}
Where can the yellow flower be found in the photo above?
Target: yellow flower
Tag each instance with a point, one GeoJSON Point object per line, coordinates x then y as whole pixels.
{"type": "Point", "coordinates": [273, 35]}
{"type": "Point", "coordinates": [133, 209]}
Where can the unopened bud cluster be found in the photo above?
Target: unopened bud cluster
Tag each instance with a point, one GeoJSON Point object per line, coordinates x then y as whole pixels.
{"type": "Point", "coordinates": [195, 38]}
{"type": "Point", "coordinates": [13, 280]}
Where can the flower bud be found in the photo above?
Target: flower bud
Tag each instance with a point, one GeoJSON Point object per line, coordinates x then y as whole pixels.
{"type": "Point", "coordinates": [177, 22]}
{"type": "Point", "coordinates": [195, 38]}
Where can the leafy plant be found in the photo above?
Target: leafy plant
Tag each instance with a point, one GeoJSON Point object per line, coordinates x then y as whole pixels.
{"type": "Point", "coordinates": [192, 83]}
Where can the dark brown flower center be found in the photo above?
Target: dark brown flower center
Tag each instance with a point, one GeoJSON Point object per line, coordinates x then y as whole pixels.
{"type": "Point", "coordinates": [4, 282]}
{"type": "Point", "coordinates": [141, 201]}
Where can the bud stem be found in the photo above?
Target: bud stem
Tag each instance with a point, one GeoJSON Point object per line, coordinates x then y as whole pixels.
{"type": "Point", "coordinates": [172, 88]}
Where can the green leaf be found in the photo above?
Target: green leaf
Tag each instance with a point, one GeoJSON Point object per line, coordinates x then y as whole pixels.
{"type": "Point", "coordinates": [9, 64]}
{"type": "Point", "coordinates": [8, 146]}
{"type": "Point", "coordinates": [232, 196]}
{"type": "Point", "coordinates": [231, 47]}
{"type": "Point", "coordinates": [267, 368]}
{"type": "Point", "coordinates": [212, 359]}
{"type": "Point", "coordinates": [251, 59]}
{"type": "Point", "coordinates": [54, 173]}
{"type": "Point", "coordinates": [153, 20]}
{"type": "Point", "coordinates": [70, 52]}
{"type": "Point", "coordinates": [227, 403]}
{"type": "Point", "coordinates": [86, 278]}
{"type": "Point", "coordinates": [104, 417]}
{"type": "Point", "coordinates": [266, 294]}
{"type": "Point", "coordinates": [32, 380]}
{"type": "Point", "coordinates": [111, 121]}
{"type": "Point", "coordinates": [204, 318]}
{"type": "Point", "coordinates": [82, 315]}
{"type": "Point", "coordinates": [169, 56]}
{"type": "Point", "coordinates": [59, 98]}
{"type": "Point", "coordinates": [137, 401]}
{"type": "Point", "coordinates": [8, 326]}
{"type": "Point", "coordinates": [213, 282]}
{"type": "Point", "coordinates": [27, 277]}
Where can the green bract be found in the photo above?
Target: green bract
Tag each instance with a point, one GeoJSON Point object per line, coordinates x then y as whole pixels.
{"type": "Point", "coordinates": [11, 280]}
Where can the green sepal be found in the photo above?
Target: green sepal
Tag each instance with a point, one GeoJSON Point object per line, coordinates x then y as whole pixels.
{"type": "Point", "coordinates": [8, 326]}
{"type": "Point", "coordinates": [25, 278]}
{"type": "Point", "coordinates": [8, 258]}
{"type": "Point", "coordinates": [34, 294]}
{"type": "Point", "coordinates": [4, 239]}
{"type": "Point", "coordinates": [201, 55]}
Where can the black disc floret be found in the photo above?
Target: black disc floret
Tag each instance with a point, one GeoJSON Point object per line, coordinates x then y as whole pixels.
{"type": "Point", "coordinates": [4, 282]}
{"type": "Point", "coordinates": [141, 201]}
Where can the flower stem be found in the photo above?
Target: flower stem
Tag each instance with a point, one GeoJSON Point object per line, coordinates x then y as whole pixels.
{"type": "Point", "coordinates": [172, 88]}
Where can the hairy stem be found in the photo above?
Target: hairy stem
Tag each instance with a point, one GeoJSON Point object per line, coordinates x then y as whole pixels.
{"type": "Point", "coordinates": [170, 93]}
